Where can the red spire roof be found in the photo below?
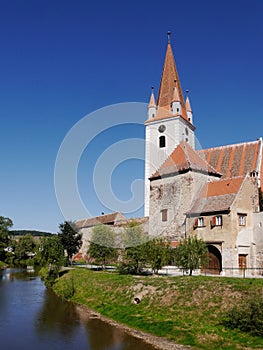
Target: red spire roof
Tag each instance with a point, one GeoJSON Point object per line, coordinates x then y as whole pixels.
{"type": "Point", "coordinates": [176, 97]}
{"type": "Point", "coordinates": [187, 105]}
{"type": "Point", "coordinates": [169, 81]}
{"type": "Point", "coordinates": [152, 100]}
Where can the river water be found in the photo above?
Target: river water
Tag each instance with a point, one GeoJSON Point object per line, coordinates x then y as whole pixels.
{"type": "Point", "coordinates": [34, 318]}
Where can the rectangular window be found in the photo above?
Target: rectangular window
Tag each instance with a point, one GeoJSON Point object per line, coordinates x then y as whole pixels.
{"type": "Point", "coordinates": [217, 220]}
{"type": "Point", "coordinates": [164, 214]}
{"type": "Point", "coordinates": [242, 219]}
{"type": "Point", "coordinates": [200, 222]}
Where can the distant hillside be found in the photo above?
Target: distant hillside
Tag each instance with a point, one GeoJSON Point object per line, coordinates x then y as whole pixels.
{"type": "Point", "coordinates": [30, 232]}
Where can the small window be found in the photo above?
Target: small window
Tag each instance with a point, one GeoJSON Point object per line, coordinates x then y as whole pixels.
{"type": "Point", "coordinates": [164, 214]}
{"type": "Point", "coordinates": [199, 222]}
{"type": "Point", "coordinates": [242, 219]}
{"type": "Point", "coordinates": [217, 220]}
{"type": "Point", "coordinates": [178, 110]}
{"type": "Point", "coordinates": [162, 141]}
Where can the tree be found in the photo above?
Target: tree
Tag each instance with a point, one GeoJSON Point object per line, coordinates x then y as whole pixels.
{"type": "Point", "coordinates": [51, 253]}
{"type": "Point", "coordinates": [5, 224]}
{"type": "Point", "coordinates": [70, 238]}
{"type": "Point", "coordinates": [102, 245]}
{"type": "Point", "coordinates": [158, 253]}
{"type": "Point", "coordinates": [191, 254]}
{"type": "Point", "coordinates": [24, 248]}
{"type": "Point", "coordinates": [134, 254]}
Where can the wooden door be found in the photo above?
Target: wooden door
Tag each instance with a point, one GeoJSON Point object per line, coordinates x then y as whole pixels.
{"type": "Point", "coordinates": [242, 261]}
{"type": "Point", "coordinates": [214, 265]}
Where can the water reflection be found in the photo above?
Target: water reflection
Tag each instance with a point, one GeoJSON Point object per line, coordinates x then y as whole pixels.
{"type": "Point", "coordinates": [56, 315]}
{"type": "Point", "coordinates": [103, 336]}
{"type": "Point", "coordinates": [42, 320]}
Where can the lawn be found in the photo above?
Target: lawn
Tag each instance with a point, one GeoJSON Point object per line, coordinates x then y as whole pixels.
{"type": "Point", "coordinates": [188, 310]}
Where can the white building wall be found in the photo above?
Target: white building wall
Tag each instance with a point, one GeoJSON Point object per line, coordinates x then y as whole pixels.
{"type": "Point", "coordinates": [176, 130]}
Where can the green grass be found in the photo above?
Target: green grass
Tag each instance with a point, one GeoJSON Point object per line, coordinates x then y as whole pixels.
{"type": "Point", "coordinates": [2, 264]}
{"type": "Point", "coordinates": [188, 310]}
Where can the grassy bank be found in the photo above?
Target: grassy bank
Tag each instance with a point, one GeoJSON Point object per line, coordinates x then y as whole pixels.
{"type": "Point", "coordinates": [188, 310]}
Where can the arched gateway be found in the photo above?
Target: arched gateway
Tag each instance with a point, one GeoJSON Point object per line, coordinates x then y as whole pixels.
{"type": "Point", "coordinates": [214, 265]}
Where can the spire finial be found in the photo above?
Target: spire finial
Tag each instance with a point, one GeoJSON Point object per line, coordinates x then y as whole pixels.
{"type": "Point", "coordinates": [187, 91]}
{"type": "Point", "coordinates": [168, 34]}
{"type": "Point", "coordinates": [152, 87]}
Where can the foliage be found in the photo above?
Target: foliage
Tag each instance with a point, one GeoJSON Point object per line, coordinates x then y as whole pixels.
{"type": "Point", "coordinates": [134, 254]}
{"type": "Point", "coordinates": [24, 249]}
{"type": "Point", "coordinates": [70, 238]}
{"type": "Point", "coordinates": [33, 233]}
{"type": "Point", "coordinates": [191, 254]}
{"type": "Point", "coordinates": [247, 316]}
{"type": "Point", "coordinates": [51, 255]}
{"type": "Point", "coordinates": [102, 245]}
{"type": "Point", "coordinates": [5, 224]}
{"type": "Point", "coordinates": [158, 253]}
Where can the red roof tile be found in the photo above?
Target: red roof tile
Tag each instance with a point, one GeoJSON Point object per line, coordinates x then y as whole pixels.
{"type": "Point", "coordinates": [169, 80]}
{"type": "Point", "coordinates": [217, 195]}
{"type": "Point", "coordinates": [184, 158]}
{"type": "Point", "coordinates": [233, 160]}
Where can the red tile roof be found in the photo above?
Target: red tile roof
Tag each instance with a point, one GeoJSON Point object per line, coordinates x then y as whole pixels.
{"type": "Point", "coordinates": [169, 80]}
{"type": "Point", "coordinates": [102, 219]}
{"type": "Point", "coordinates": [233, 160]}
{"type": "Point", "coordinates": [217, 195]}
{"type": "Point", "coordinates": [184, 158]}
{"type": "Point", "coordinates": [221, 187]}
{"type": "Point", "coordinates": [152, 101]}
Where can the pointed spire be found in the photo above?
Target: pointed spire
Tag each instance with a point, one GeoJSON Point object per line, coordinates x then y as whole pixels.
{"type": "Point", "coordinates": [188, 108]}
{"type": "Point", "coordinates": [176, 95]}
{"type": "Point", "coordinates": [187, 105]}
{"type": "Point", "coordinates": [152, 110]}
{"type": "Point", "coordinates": [170, 80]}
{"type": "Point", "coordinates": [152, 99]}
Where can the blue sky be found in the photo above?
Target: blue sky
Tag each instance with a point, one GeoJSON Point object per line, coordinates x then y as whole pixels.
{"type": "Point", "coordinates": [61, 60]}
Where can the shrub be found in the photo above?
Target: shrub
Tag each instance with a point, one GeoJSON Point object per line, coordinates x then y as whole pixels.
{"type": "Point", "coordinates": [247, 317]}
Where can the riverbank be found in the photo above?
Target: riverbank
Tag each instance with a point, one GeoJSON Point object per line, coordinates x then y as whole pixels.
{"type": "Point", "coordinates": [170, 310]}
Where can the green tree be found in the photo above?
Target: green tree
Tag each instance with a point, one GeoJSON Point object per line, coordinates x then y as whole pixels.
{"type": "Point", "coordinates": [24, 249]}
{"type": "Point", "coordinates": [102, 245]}
{"type": "Point", "coordinates": [191, 254]}
{"type": "Point", "coordinates": [134, 253]}
{"type": "Point", "coordinates": [51, 254]}
{"type": "Point", "coordinates": [158, 253]}
{"type": "Point", "coordinates": [70, 238]}
{"type": "Point", "coordinates": [5, 224]}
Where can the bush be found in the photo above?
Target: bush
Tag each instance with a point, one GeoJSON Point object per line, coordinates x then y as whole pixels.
{"type": "Point", "coordinates": [247, 317]}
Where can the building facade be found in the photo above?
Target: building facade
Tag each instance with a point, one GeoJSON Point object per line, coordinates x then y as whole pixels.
{"type": "Point", "coordinates": [211, 193]}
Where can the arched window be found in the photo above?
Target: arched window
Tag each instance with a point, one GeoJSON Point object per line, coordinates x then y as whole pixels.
{"type": "Point", "coordinates": [162, 141]}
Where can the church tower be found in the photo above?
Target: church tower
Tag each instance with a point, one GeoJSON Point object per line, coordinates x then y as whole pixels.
{"type": "Point", "coordinates": [169, 122]}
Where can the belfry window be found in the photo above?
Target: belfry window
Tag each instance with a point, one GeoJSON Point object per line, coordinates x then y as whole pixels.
{"type": "Point", "coordinates": [162, 141]}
